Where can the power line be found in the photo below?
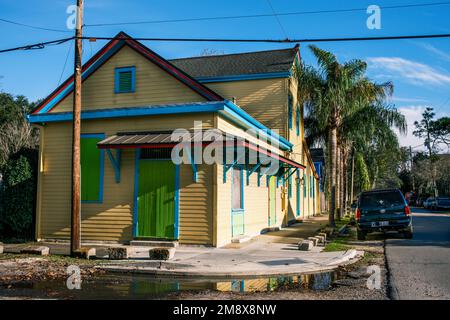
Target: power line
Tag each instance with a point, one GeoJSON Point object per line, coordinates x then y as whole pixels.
{"type": "Point", "coordinates": [276, 17]}
{"type": "Point", "coordinates": [264, 15]}
{"type": "Point", "coordinates": [40, 45]}
{"type": "Point", "coordinates": [300, 40]}
{"type": "Point", "coordinates": [65, 63]}
{"type": "Point", "coordinates": [273, 14]}
{"type": "Point", "coordinates": [31, 26]}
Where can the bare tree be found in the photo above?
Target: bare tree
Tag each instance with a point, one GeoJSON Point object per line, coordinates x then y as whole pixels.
{"type": "Point", "coordinates": [14, 136]}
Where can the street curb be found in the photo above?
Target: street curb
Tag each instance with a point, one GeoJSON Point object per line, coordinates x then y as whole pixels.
{"type": "Point", "coordinates": [349, 257]}
{"type": "Point", "coordinates": [217, 275]}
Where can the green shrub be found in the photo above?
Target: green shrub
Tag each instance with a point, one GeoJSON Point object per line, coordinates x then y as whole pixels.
{"type": "Point", "coordinates": [17, 197]}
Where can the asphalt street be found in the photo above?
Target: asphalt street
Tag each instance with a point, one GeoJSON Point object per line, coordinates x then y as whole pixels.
{"type": "Point", "coordinates": [420, 268]}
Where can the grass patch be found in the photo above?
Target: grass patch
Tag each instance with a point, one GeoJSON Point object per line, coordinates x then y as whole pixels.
{"type": "Point", "coordinates": [340, 223]}
{"type": "Point", "coordinates": [336, 246]}
{"type": "Point", "coordinates": [341, 242]}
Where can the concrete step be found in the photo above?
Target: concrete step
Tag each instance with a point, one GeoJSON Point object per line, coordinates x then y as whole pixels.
{"type": "Point", "coordinates": [241, 239]}
{"type": "Point", "coordinates": [270, 229]}
{"type": "Point", "coordinates": [153, 243]}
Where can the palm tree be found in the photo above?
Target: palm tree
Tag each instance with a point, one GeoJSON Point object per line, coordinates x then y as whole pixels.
{"type": "Point", "coordinates": [332, 92]}
{"type": "Point", "coordinates": [368, 140]}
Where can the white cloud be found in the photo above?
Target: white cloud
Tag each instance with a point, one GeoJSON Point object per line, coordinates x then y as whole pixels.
{"type": "Point", "coordinates": [441, 54]}
{"type": "Point", "coordinates": [408, 100]}
{"type": "Point", "coordinates": [412, 113]}
{"type": "Point", "coordinates": [414, 72]}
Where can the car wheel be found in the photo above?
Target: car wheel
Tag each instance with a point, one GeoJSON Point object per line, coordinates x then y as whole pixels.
{"type": "Point", "coordinates": [408, 234]}
{"type": "Point", "coordinates": [361, 235]}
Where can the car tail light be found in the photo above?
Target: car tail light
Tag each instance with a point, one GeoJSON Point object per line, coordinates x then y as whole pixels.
{"type": "Point", "coordinates": [407, 210]}
{"type": "Point", "coordinates": [358, 214]}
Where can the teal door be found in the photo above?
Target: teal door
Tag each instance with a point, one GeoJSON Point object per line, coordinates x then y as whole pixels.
{"type": "Point", "coordinates": [156, 199]}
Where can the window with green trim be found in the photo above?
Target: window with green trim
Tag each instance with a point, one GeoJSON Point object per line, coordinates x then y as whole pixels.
{"type": "Point", "coordinates": [290, 111]}
{"type": "Point", "coordinates": [311, 186]}
{"type": "Point", "coordinates": [297, 120]}
{"type": "Point", "coordinates": [92, 159]}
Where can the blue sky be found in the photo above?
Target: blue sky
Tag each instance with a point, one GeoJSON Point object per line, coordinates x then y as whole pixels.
{"type": "Point", "coordinates": [420, 69]}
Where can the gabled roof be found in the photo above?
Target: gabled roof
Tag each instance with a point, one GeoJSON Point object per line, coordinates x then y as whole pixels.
{"type": "Point", "coordinates": [111, 48]}
{"type": "Point", "coordinates": [260, 62]}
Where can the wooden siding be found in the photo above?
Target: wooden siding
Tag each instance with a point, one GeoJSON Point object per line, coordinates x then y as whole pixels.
{"type": "Point", "coordinates": [223, 214]}
{"type": "Point", "coordinates": [265, 100]}
{"type": "Point", "coordinates": [154, 86]}
{"type": "Point", "coordinates": [256, 206]}
{"type": "Point", "coordinates": [228, 127]}
{"type": "Point", "coordinates": [112, 219]}
{"type": "Point", "coordinates": [196, 205]}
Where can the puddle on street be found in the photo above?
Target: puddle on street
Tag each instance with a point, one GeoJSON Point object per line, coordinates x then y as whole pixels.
{"type": "Point", "coordinates": [145, 287]}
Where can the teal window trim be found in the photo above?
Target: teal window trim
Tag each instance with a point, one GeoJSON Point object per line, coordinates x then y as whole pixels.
{"type": "Point", "coordinates": [117, 73]}
{"type": "Point", "coordinates": [241, 173]}
{"type": "Point", "coordinates": [297, 120]}
{"type": "Point", "coordinates": [137, 157]}
{"type": "Point", "coordinates": [304, 185]}
{"type": "Point", "coordinates": [310, 186]}
{"type": "Point", "coordinates": [290, 111]}
{"type": "Point", "coordinates": [290, 187]}
{"type": "Point", "coordinates": [176, 229]}
{"type": "Point", "coordinates": [100, 136]}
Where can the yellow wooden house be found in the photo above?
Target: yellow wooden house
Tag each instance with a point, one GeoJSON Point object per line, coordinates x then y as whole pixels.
{"type": "Point", "coordinates": [133, 100]}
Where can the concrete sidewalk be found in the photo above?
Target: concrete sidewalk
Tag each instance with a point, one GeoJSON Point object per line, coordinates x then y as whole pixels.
{"type": "Point", "coordinates": [256, 259]}
{"type": "Point", "coordinates": [270, 254]}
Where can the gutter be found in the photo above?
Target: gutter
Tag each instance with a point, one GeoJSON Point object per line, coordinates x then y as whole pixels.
{"type": "Point", "coordinates": [225, 108]}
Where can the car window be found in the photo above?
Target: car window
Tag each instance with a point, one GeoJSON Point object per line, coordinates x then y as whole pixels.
{"type": "Point", "coordinates": [381, 199]}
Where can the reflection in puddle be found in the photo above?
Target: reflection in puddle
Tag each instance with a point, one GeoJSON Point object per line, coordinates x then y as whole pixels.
{"type": "Point", "coordinates": [144, 287]}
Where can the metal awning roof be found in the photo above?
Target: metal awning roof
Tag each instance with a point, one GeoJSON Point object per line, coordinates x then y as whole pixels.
{"type": "Point", "coordinates": [143, 140]}
{"type": "Point", "coordinates": [159, 139]}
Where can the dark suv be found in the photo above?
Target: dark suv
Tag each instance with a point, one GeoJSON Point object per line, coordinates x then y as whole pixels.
{"type": "Point", "coordinates": [383, 210]}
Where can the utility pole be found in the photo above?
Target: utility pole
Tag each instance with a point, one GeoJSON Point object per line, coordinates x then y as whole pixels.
{"type": "Point", "coordinates": [75, 239]}
{"type": "Point", "coordinates": [412, 163]}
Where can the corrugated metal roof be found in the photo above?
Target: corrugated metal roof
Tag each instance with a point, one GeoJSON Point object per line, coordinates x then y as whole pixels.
{"type": "Point", "coordinates": [166, 140]}
{"type": "Point", "coordinates": [142, 138]}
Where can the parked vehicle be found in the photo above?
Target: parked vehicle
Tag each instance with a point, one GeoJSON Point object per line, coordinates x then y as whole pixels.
{"type": "Point", "coordinates": [430, 203]}
{"type": "Point", "coordinates": [383, 210]}
{"type": "Point", "coordinates": [419, 201]}
{"type": "Point", "coordinates": [442, 203]}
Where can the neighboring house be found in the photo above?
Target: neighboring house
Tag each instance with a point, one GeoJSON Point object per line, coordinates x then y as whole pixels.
{"type": "Point", "coordinates": [318, 158]}
{"type": "Point", "coordinates": [133, 99]}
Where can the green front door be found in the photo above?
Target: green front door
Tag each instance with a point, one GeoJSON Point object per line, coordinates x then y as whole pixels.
{"type": "Point", "coordinates": [156, 199]}
{"type": "Point", "coordinates": [272, 196]}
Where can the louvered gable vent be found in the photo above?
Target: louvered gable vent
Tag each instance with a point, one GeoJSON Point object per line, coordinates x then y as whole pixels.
{"type": "Point", "coordinates": [125, 80]}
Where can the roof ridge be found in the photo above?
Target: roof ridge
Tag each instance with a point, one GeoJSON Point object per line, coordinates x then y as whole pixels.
{"type": "Point", "coordinates": [112, 47]}
{"type": "Point", "coordinates": [230, 54]}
